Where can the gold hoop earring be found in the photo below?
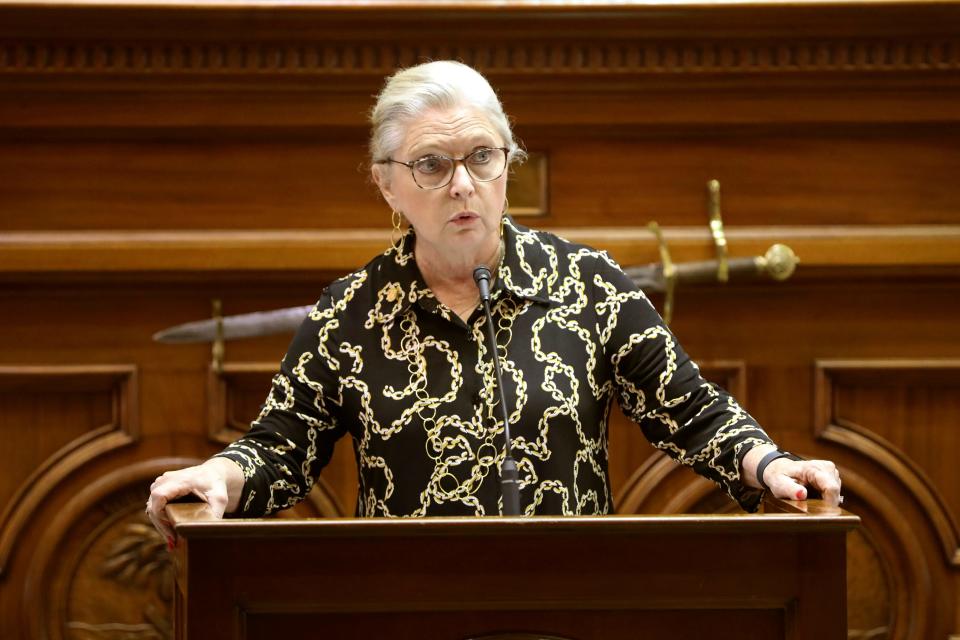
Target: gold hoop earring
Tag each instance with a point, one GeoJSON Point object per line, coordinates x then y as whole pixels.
{"type": "Point", "coordinates": [503, 215]}
{"type": "Point", "coordinates": [396, 233]}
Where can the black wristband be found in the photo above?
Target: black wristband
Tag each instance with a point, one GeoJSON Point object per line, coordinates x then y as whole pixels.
{"type": "Point", "coordinates": [767, 459]}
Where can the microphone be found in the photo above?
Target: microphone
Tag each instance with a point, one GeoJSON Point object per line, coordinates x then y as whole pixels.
{"type": "Point", "coordinates": [509, 477]}
{"type": "Point", "coordinates": [481, 275]}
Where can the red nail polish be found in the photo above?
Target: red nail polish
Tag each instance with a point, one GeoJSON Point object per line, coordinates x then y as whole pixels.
{"type": "Point", "coordinates": [170, 544]}
{"type": "Point", "coordinates": [801, 494]}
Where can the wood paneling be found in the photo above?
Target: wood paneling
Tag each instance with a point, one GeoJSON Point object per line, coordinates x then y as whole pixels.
{"type": "Point", "coordinates": [807, 176]}
{"type": "Point", "coordinates": [55, 420]}
{"type": "Point", "coordinates": [98, 565]}
{"type": "Point", "coordinates": [212, 185]}
{"type": "Point", "coordinates": [824, 251]}
{"type": "Point", "coordinates": [520, 574]}
{"type": "Point", "coordinates": [905, 417]}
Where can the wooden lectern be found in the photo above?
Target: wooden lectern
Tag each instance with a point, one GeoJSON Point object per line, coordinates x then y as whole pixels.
{"type": "Point", "coordinates": [780, 574]}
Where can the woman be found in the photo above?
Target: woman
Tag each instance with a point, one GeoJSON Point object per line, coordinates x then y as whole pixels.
{"type": "Point", "coordinates": [395, 354]}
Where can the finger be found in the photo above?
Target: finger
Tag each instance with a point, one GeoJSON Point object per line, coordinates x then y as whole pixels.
{"type": "Point", "coordinates": [789, 491]}
{"type": "Point", "coordinates": [165, 530]}
{"type": "Point", "coordinates": [155, 504]}
{"type": "Point", "coordinates": [162, 525]}
{"type": "Point", "coordinates": [166, 488]}
{"type": "Point", "coordinates": [827, 482]}
{"type": "Point", "coordinates": [785, 486]}
{"type": "Point", "coordinates": [821, 475]}
{"type": "Point", "coordinates": [781, 476]}
{"type": "Point", "coordinates": [170, 490]}
{"type": "Point", "coordinates": [210, 489]}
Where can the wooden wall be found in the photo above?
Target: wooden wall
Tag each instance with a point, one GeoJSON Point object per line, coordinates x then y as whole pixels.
{"type": "Point", "coordinates": [154, 157]}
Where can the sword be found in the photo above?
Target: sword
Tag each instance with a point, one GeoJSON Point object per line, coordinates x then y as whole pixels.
{"type": "Point", "coordinates": [778, 263]}
{"type": "Point", "coordinates": [243, 325]}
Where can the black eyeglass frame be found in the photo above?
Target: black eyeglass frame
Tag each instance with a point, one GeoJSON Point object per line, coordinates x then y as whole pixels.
{"type": "Point", "coordinates": [462, 160]}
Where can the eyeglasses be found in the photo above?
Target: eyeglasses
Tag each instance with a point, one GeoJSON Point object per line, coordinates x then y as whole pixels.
{"type": "Point", "coordinates": [436, 171]}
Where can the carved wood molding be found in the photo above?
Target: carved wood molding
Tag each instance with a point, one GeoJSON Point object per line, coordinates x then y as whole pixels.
{"type": "Point", "coordinates": [831, 427]}
{"type": "Point", "coordinates": [343, 250]}
{"type": "Point", "coordinates": [902, 556]}
{"type": "Point", "coordinates": [651, 477]}
{"type": "Point", "coordinates": [81, 548]}
{"type": "Point", "coordinates": [642, 57]}
{"type": "Point", "coordinates": [224, 426]}
{"type": "Point", "coordinates": [52, 571]}
{"type": "Point", "coordinates": [514, 37]}
{"type": "Point", "coordinates": [122, 430]}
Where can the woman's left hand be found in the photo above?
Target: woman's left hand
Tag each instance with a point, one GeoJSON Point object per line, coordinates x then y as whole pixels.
{"type": "Point", "coordinates": [789, 479]}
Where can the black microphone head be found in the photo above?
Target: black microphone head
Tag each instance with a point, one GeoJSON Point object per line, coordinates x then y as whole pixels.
{"type": "Point", "coordinates": [481, 273]}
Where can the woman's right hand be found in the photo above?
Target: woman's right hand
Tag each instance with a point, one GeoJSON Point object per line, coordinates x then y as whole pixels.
{"type": "Point", "coordinates": [218, 482]}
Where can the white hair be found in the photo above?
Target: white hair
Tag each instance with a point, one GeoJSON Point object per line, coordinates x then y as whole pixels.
{"type": "Point", "coordinates": [444, 84]}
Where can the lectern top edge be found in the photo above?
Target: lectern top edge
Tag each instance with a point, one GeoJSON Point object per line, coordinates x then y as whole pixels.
{"type": "Point", "coordinates": [194, 520]}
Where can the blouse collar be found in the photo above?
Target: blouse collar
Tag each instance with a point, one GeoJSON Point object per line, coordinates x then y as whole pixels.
{"type": "Point", "coordinates": [527, 270]}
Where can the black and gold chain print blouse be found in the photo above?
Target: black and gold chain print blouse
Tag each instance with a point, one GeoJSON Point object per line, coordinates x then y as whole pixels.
{"type": "Point", "coordinates": [380, 359]}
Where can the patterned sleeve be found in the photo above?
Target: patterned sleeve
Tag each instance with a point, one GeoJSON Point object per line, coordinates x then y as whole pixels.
{"type": "Point", "coordinates": [694, 421]}
{"type": "Point", "coordinates": [293, 437]}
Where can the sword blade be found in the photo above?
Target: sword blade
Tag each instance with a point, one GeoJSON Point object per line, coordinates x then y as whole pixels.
{"type": "Point", "coordinates": [244, 325]}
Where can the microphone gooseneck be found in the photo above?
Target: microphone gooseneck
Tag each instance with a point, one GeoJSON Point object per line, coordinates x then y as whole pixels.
{"type": "Point", "coordinates": [509, 477]}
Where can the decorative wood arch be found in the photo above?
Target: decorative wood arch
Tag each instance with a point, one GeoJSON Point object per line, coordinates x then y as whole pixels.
{"type": "Point", "coordinates": [123, 429]}
{"type": "Point", "coordinates": [43, 598]}
{"type": "Point", "coordinates": [867, 443]}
